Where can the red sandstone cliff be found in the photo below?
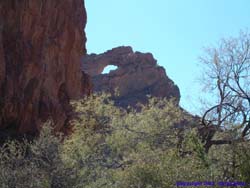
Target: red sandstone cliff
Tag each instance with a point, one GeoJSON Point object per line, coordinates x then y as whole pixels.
{"type": "Point", "coordinates": [137, 76]}
{"type": "Point", "coordinates": [41, 43]}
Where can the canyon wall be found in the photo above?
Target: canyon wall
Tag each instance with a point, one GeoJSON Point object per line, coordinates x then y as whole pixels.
{"type": "Point", "coordinates": [41, 42]}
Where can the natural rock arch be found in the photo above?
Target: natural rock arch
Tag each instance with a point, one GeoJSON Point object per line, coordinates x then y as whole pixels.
{"type": "Point", "coordinates": [137, 76]}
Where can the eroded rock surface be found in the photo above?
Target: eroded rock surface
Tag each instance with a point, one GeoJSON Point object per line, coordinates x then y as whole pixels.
{"type": "Point", "coordinates": [137, 76]}
{"type": "Point", "coordinates": [41, 43]}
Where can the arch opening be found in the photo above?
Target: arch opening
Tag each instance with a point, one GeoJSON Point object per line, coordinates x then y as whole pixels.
{"type": "Point", "coordinates": [109, 68]}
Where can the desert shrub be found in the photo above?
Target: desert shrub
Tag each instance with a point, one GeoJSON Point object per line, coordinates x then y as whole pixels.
{"type": "Point", "coordinates": [243, 156]}
{"type": "Point", "coordinates": [232, 161]}
{"type": "Point", "coordinates": [12, 160]}
{"type": "Point", "coordinates": [86, 149]}
{"type": "Point", "coordinates": [36, 164]}
{"type": "Point", "coordinates": [116, 148]}
{"type": "Point", "coordinates": [113, 147]}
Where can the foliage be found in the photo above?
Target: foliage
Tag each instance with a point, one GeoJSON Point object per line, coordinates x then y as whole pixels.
{"type": "Point", "coordinates": [113, 147]}
{"type": "Point", "coordinates": [35, 164]}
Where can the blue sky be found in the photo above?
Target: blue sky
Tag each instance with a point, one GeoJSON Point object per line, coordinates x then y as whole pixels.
{"type": "Point", "coordinates": [174, 31]}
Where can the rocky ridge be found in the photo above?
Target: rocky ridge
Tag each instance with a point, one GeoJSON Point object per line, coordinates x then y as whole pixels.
{"type": "Point", "coordinates": [136, 77]}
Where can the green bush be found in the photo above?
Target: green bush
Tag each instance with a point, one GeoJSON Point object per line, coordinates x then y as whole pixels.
{"type": "Point", "coordinates": [131, 149]}
{"type": "Point", "coordinates": [113, 147]}
{"type": "Point", "coordinates": [36, 164]}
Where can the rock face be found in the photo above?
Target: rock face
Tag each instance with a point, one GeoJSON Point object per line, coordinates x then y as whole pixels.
{"type": "Point", "coordinates": [41, 43]}
{"type": "Point", "coordinates": [137, 76]}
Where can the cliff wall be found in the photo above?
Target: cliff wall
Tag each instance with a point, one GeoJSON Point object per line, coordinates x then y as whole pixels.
{"type": "Point", "coordinates": [41, 42]}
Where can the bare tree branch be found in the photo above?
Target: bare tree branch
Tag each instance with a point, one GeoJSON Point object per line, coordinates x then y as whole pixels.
{"type": "Point", "coordinates": [227, 74]}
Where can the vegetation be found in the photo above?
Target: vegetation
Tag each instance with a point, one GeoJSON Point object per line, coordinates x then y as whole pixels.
{"type": "Point", "coordinates": [227, 78]}
{"type": "Point", "coordinates": [111, 147]}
